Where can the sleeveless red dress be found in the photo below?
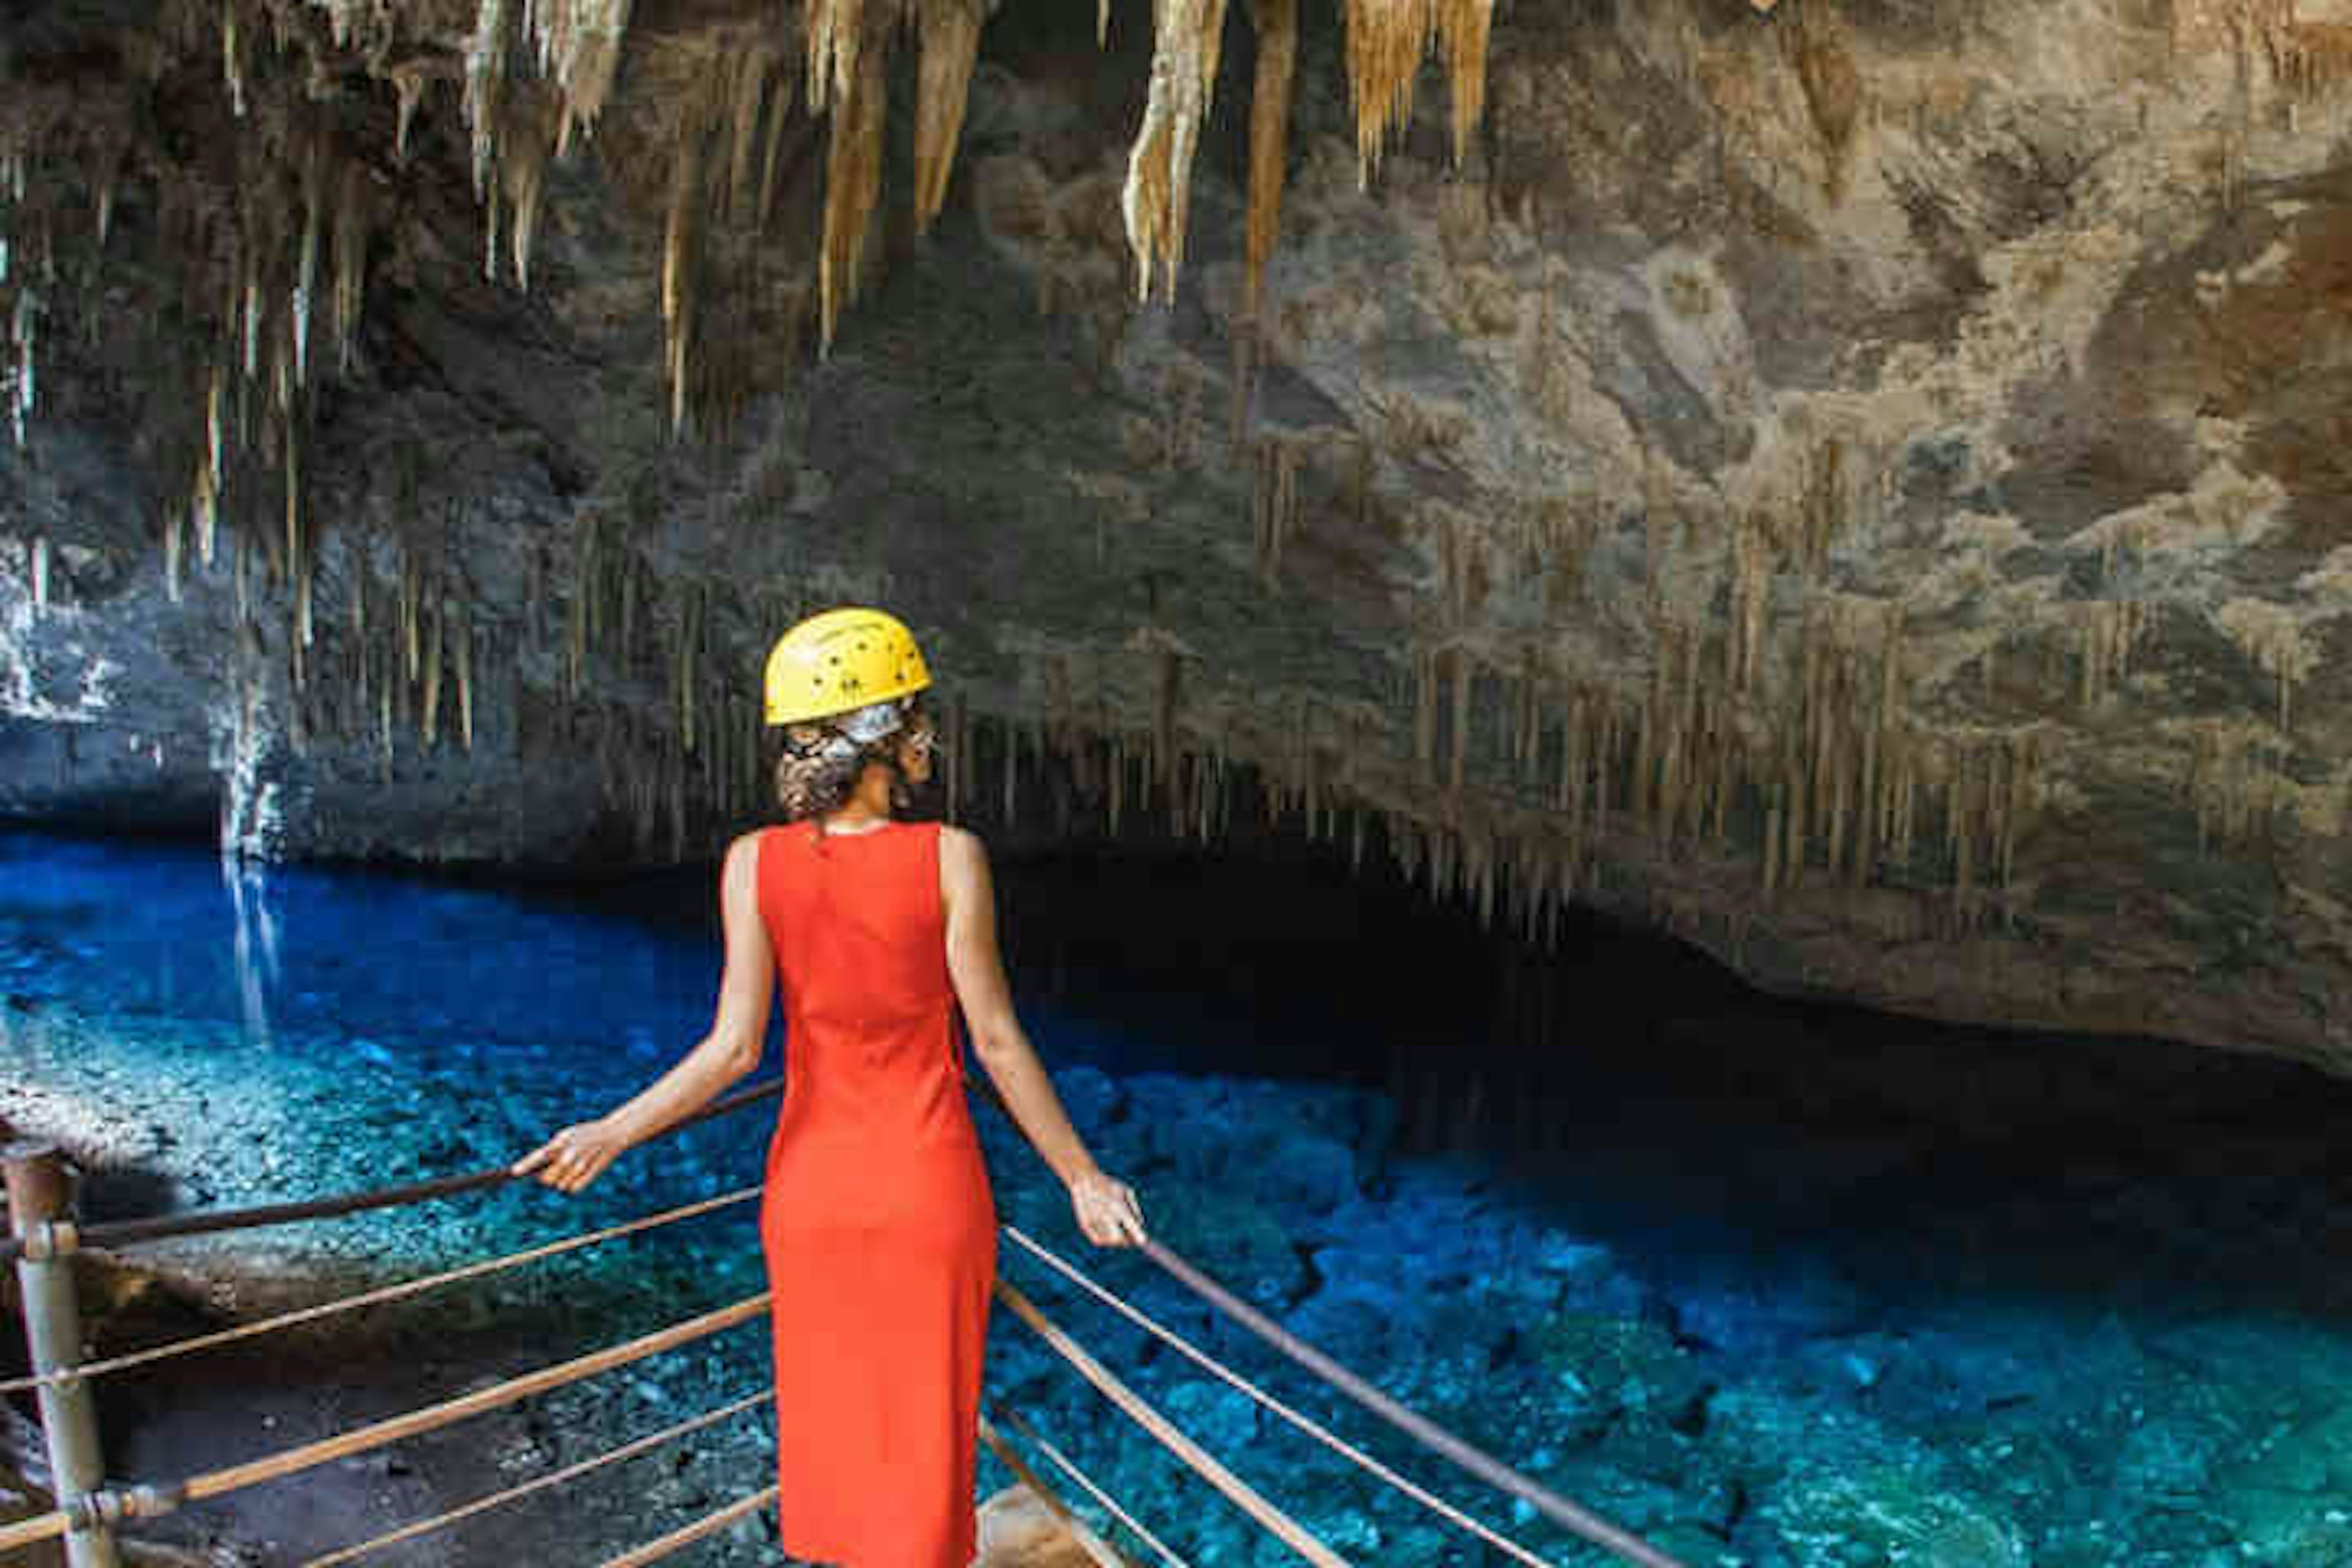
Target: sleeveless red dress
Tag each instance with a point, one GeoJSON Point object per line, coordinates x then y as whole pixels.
{"type": "Point", "coordinates": [876, 1219]}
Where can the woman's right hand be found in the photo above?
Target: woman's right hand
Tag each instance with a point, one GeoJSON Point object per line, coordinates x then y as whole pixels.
{"type": "Point", "coordinates": [1107, 1210]}
{"type": "Point", "coordinates": [574, 1157]}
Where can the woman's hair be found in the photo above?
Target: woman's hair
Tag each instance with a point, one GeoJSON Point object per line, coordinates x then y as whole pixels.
{"type": "Point", "coordinates": [823, 760]}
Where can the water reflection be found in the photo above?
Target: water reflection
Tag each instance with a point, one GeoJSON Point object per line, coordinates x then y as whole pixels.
{"type": "Point", "coordinates": [255, 944]}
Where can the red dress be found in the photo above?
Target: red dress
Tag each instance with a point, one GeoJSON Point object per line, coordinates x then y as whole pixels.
{"type": "Point", "coordinates": [877, 1220]}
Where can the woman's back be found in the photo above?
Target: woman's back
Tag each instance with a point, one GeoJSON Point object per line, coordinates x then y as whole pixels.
{"type": "Point", "coordinates": [877, 1225]}
{"type": "Point", "coordinates": [860, 944]}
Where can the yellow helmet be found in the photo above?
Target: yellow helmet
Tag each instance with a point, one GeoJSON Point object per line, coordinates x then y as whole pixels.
{"type": "Point", "coordinates": [841, 660]}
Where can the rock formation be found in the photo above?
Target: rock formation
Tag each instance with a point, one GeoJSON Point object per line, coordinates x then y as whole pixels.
{"type": "Point", "coordinates": [1853, 484]}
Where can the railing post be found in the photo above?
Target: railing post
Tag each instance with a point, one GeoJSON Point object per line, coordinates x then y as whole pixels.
{"type": "Point", "coordinates": [40, 1192]}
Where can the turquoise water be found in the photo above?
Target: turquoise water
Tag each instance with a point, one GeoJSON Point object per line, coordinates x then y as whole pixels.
{"type": "Point", "coordinates": [1775, 1316]}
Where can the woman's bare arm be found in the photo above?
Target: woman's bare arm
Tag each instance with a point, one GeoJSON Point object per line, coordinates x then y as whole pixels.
{"type": "Point", "coordinates": [578, 1155]}
{"type": "Point", "coordinates": [1106, 1209]}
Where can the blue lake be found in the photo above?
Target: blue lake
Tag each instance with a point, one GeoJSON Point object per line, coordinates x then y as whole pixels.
{"type": "Point", "coordinates": [1759, 1336]}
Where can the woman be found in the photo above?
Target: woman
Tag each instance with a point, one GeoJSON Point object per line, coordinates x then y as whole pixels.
{"type": "Point", "coordinates": [877, 1220]}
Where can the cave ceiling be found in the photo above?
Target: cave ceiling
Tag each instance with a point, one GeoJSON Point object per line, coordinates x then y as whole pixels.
{"type": "Point", "coordinates": [1859, 485]}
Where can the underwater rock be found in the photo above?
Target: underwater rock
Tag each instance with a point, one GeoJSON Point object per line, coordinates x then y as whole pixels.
{"type": "Point", "coordinates": [2286, 1491]}
{"type": "Point", "coordinates": [1607, 1366]}
{"type": "Point", "coordinates": [1236, 1239]}
{"type": "Point", "coordinates": [1743, 1318]}
{"type": "Point", "coordinates": [1895, 1514]}
{"type": "Point", "coordinates": [1222, 1418]}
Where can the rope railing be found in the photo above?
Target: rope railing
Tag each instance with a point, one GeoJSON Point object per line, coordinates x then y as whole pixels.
{"type": "Point", "coordinates": [1086, 1484]}
{"type": "Point", "coordinates": [711, 1523]}
{"type": "Point", "coordinates": [86, 1511]}
{"type": "Point", "coordinates": [1582, 1521]}
{"type": "Point", "coordinates": [571, 1472]}
{"type": "Point", "coordinates": [1570, 1515]}
{"type": "Point", "coordinates": [106, 1508]}
{"type": "Point", "coordinates": [159, 1227]}
{"type": "Point", "coordinates": [1306, 1423]}
{"type": "Point", "coordinates": [1093, 1545]}
{"type": "Point", "coordinates": [378, 1297]}
{"type": "Point", "coordinates": [1143, 1414]}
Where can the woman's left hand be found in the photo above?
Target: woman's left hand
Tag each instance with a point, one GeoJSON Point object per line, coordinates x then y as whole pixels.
{"type": "Point", "coordinates": [1107, 1210]}
{"type": "Point", "coordinates": [574, 1157]}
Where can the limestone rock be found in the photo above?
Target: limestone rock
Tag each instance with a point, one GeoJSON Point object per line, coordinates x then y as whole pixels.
{"type": "Point", "coordinates": [1017, 1530]}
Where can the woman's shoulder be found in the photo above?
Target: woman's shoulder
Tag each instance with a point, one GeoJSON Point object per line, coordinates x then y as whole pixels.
{"type": "Point", "coordinates": [963, 858]}
{"type": "Point", "coordinates": [743, 853]}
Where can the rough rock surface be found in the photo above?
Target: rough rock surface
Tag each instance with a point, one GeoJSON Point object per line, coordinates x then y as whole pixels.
{"type": "Point", "coordinates": [1859, 486]}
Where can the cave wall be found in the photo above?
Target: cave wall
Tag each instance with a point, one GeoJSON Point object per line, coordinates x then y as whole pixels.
{"type": "Point", "coordinates": [1858, 485]}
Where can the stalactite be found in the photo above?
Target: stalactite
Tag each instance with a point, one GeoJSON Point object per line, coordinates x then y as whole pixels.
{"type": "Point", "coordinates": [1822, 500]}
{"type": "Point", "coordinates": [853, 179]}
{"type": "Point", "coordinates": [1907, 791]}
{"type": "Point", "coordinates": [1569, 794]}
{"type": "Point", "coordinates": [579, 45]}
{"type": "Point", "coordinates": [1466, 677]}
{"type": "Point", "coordinates": [625, 649]}
{"type": "Point", "coordinates": [679, 239]}
{"type": "Point", "coordinates": [689, 638]}
{"type": "Point", "coordinates": [584, 587]}
{"type": "Point", "coordinates": [1605, 756]}
{"type": "Point", "coordinates": [1115, 794]}
{"type": "Point", "coordinates": [950, 46]}
{"type": "Point", "coordinates": [1465, 27]}
{"type": "Point", "coordinates": [1011, 737]}
{"type": "Point", "coordinates": [1960, 832]}
{"type": "Point", "coordinates": [1276, 22]}
{"type": "Point", "coordinates": [2269, 634]}
{"type": "Point", "coordinates": [23, 323]}
{"type": "Point", "coordinates": [485, 71]}
{"type": "Point", "coordinates": [2107, 629]}
{"type": "Point", "coordinates": [1387, 40]}
{"type": "Point", "coordinates": [1273, 505]}
{"type": "Point", "coordinates": [1156, 199]}
{"type": "Point", "coordinates": [746, 109]}
{"type": "Point", "coordinates": [464, 643]}
{"type": "Point", "coordinates": [233, 59]}
{"type": "Point", "coordinates": [522, 170]}
{"type": "Point", "coordinates": [172, 552]}
{"type": "Point", "coordinates": [410, 618]}
{"type": "Point", "coordinates": [208, 487]}
{"type": "Point", "coordinates": [1638, 790]}
{"type": "Point", "coordinates": [1423, 677]}
{"type": "Point", "coordinates": [2235, 774]}
{"type": "Point", "coordinates": [297, 559]}
{"type": "Point", "coordinates": [1727, 753]}
{"type": "Point", "coordinates": [38, 571]}
{"type": "Point", "coordinates": [428, 726]}
{"type": "Point", "coordinates": [252, 335]}
{"type": "Point", "coordinates": [1751, 594]}
{"type": "Point", "coordinates": [409, 82]}
{"type": "Point", "coordinates": [306, 266]}
{"type": "Point", "coordinates": [357, 626]}
{"type": "Point", "coordinates": [1167, 693]}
